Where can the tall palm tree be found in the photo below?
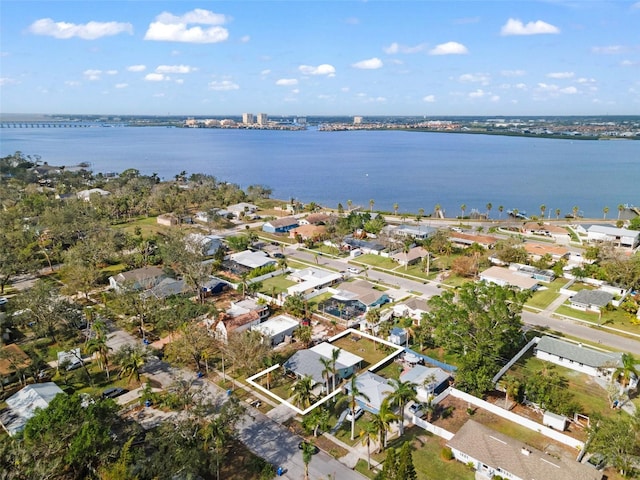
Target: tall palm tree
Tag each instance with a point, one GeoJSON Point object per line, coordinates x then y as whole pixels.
{"type": "Point", "coordinates": [395, 208]}
{"type": "Point", "coordinates": [371, 204]}
{"type": "Point", "coordinates": [382, 421]}
{"type": "Point", "coordinates": [335, 353]}
{"type": "Point", "coordinates": [605, 210]}
{"type": "Point", "coordinates": [369, 433]}
{"type": "Point", "coordinates": [489, 207]}
{"type": "Point", "coordinates": [131, 360]}
{"type": "Point", "coordinates": [98, 346]}
{"type": "Point", "coordinates": [354, 393]}
{"type": "Point", "coordinates": [349, 204]}
{"type": "Point", "coordinates": [326, 370]}
{"type": "Point", "coordinates": [557, 213]}
{"type": "Point", "coordinates": [543, 209]}
{"type": "Point", "coordinates": [437, 209]}
{"type": "Point", "coordinates": [500, 209]}
{"type": "Point", "coordinates": [575, 211]}
{"type": "Point", "coordinates": [403, 393]}
{"type": "Point", "coordinates": [215, 435]}
{"type": "Point", "coordinates": [308, 449]}
{"type": "Point", "coordinates": [626, 371]}
{"type": "Point", "coordinates": [620, 210]}
{"type": "Point", "coordinates": [302, 394]}
{"type": "Point", "coordinates": [463, 207]}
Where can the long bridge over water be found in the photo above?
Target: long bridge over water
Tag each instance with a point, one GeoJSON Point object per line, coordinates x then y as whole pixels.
{"type": "Point", "coordinates": [45, 124]}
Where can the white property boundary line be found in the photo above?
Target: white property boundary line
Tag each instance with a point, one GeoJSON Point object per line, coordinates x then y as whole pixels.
{"type": "Point", "coordinates": [251, 380]}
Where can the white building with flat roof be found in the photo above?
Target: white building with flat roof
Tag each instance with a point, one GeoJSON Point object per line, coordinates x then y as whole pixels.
{"type": "Point", "coordinates": [278, 328]}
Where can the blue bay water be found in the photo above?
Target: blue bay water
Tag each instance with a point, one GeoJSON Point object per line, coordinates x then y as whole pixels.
{"type": "Point", "coordinates": [415, 170]}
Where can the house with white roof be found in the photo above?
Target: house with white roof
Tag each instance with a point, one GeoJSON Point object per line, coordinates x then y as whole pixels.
{"type": "Point", "coordinates": [209, 244]}
{"type": "Point", "coordinates": [347, 363]}
{"type": "Point", "coordinates": [413, 307]}
{"type": "Point", "coordinates": [86, 194]}
{"type": "Point", "coordinates": [415, 231]}
{"type": "Point", "coordinates": [22, 405]}
{"type": "Point", "coordinates": [277, 329]}
{"type": "Point", "coordinates": [242, 209]}
{"type": "Point", "coordinates": [620, 237]}
{"type": "Point", "coordinates": [505, 277]}
{"type": "Point", "coordinates": [251, 260]}
{"type": "Point", "coordinates": [310, 279]}
{"type": "Point", "coordinates": [429, 381]}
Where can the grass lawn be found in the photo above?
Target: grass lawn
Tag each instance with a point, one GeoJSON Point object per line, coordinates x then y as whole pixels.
{"type": "Point", "coordinates": [617, 318]}
{"type": "Point", "coordinates": [377, 261]}
{"type": "Point", "coordinates": [277, 284]}
{"type": "Point", "coordinates": [148, 226]}
{"type": "Point", "coordinates": [370, 351]}
{"type": "Point", "coordinates": [542, 298]}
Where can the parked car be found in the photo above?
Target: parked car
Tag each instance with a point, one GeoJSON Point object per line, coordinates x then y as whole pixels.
{"type": "Point", "coordinates": [114, 392]}
{"type": "Point", "coordinates": [74, 365]}
{"type": "Point", "coordinates": [353, 270]}
{"type": "Point", "coordinates": [416, 409]}
{"type": "Point", "coordinates": [277, 255]}
{"type": "Point", "coordinates": [313, 451]}
{"type": "Point", "coordinates": [358, 413]}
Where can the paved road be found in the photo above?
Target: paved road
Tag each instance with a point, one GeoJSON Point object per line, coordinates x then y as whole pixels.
{"type": "Point", "coordinates": [262, 435]}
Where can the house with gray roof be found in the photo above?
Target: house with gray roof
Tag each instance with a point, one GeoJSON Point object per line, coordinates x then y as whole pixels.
{"type": "Point", "coordinates": [492, 453]}
{"type": "Point", "coordinates": [415, 231]}
{"type": "Point", "coordinates": [621, 237]}
{"type": "Point", "coordinates": [280, 225]}
{"type": "Point", "coordinates": [429, 381]}
{"type": "Point", "coordinates": [374, 390]}
{"type": "Point", "coordinates": [22, 405]}
{"type": "Point", "coordinates": [593, 362]}
{"type": "Point", "coordinates": [591, 300]}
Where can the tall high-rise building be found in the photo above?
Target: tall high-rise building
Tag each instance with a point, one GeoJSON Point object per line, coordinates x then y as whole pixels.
{"type": "Point", "coordinates": [262, 119]}
{"type": "Point", "coordinates": [247, 118]}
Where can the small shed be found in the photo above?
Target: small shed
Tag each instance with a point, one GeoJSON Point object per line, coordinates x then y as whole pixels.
{"type": "Point", "coordinates": [555, 421]}
{"type": "Point", "coordinates": [398, 336]}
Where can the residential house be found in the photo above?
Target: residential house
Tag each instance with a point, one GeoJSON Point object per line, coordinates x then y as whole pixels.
{"type": "Point", "coordinates": [315, 219]}
{"type": "Point", "coordinates": [347, 363]}
{"type": "Point", "coordinates": [467, 239]}
{"type": "Point", "coordinates": [309, 232]}
{"type": "Point", "coordinates": [414, 255]}
{"type": "Point", "coordinates": [366, 246]}
{"type": "Point", "coordinates": [276, 330]}
{"type": "Point", "coordinates": [559, 234]}
{"type": "Point", "coordinates": [246, 305]}
{"type": "Point", "coordinates": [280, 225]}
{"type": "Point", "coordinates": [492, 453]}
{"type": "Point", "coordinates": [312, 279]}
{"type": "Point", "coordinates": [591, 300]}
{"type": "Point", "coordinates": [419, 232]}
{"type": "Point", "coordinates": [540, 274]}
{"type": "Point", "coordinates": [414, 307]}
{"type": "Point", "coordinates": [214, 286]}
{"type": "Point", "coordinates": [363, 292]}
{"type": "Point", "coordinates": [251, 260]}
{"type": "Point", "coordinates": [228, 324]}
{"type": "Point", "coordinates": [167, 219]}
{"type": "Point", "coordinates": [242, 210]}
{"type": "Point", "coordinates": [138, 279]}
{"type": "Point", "coordinates": [429, 381]}
{"type": "Point", "coordinates": [505, 277]}
{"type": "Point", "coordinates": [398, 336]}
{"type": "Point", "coordinates": [12, 360]}
{"type": "Point", "coordinates": [86, 194]}
{"type": "Point", "coordinates": [593, 362]}
{"type": "Point", "coordinates": [373, 388]}
{"type": "Point", "coordinates": [22, 405]}
{"type": "Point", "coordinates": [538, 250]}
{"type": "Point", "coordinates": [166, 288]}
{"type": "Point", "coordinates": [620, 237]}
{"type": "Point", "coordinates": [209, 244]}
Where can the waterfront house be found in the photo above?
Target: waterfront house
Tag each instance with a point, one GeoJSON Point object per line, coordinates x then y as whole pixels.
{"type": "Point", "coordinates": [559, 234]}
{"type": "Point", "coordinates": [491, 453]}
{"type": "Point", "coordinates": [467, 239]}
{"type": "Point", "coordinates": [420, 232]}
{"type": "Point", "coordinates": [620, 237]}
{"type": "Point", "coordinates": [280, 225]}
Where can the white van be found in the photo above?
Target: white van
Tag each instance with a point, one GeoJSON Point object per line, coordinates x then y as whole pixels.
{"type": "Point", "coordinates": [353, 270]}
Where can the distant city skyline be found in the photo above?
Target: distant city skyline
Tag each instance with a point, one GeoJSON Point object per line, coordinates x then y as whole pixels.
{"type": "Point", "coordinates": [433, 58]}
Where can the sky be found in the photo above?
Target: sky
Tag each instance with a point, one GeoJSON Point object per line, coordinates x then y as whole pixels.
{"type": "Point", "coordinates": [312, 57]}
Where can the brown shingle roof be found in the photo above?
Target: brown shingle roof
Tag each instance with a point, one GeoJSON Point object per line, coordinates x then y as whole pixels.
{"type": "Point", "coordinates": [12, 356]}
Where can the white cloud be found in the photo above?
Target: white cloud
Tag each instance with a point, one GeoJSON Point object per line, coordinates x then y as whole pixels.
{"type": "Point", "coordinates": [513, 73]}
{"type": "Point", "coordinates": [175, 69]}
{"type": "Point", "coordinates": [295, 90]}
{"type": "Point", "coordinates": [560, 75]}
{"type": "Point", "coordinates": [111, 72]}
{"type": "Point", "coordinates": [172, 28]}
{"type": "Point", "coordinates": [156, 77]}
{"type": "Point", "coordinates": [122, 85]}
{"type": "Point", "coordinates": [569, 90]}
{"type": "Point", "coordinates": [483, 78]}
{"type": "Point", "coordinates": [92, 74]}
{"type": "Point", "coordinates": [87, 31]}
{"type": "Point", "coordinates": [546, 87]}
{"type": "Point", "coordinates": [245, 39]}
{"type": "Point", "coordinates": [495, 98]}
{"type": "Point", "coordinates": [521, 86]}
{"type": "Point", "coordinates": [7, 81]}
{"type": "Point", "coordinates": [223, 86]}
{"type": "Point", "coordinates": [369, 64]}
{"type": "Point", "coordinates": [515, 26]}
{"type": "Point", "coordinates": [584, 80]}
{"type": "Point", "coordinates": [286, 82]}
{"type": "Point", "coordinates": [628, 63]}
{"type": "Point", "coordinates": [479, 93]}
{"type": "Point", "coordinates": [72, 83]}
{"type": "Point", "coordinates": [136, 68]}
{"type": "Point", "coordinates": [179, 81]}
{"type": "Point", "coordinates": [449, 48]}
{"type": "Point", "coordinates": [324, 69]}
{"type": "Point", "coordinates": [429, 98]}
{"type": "Point", "coordinates": [265, 72]}
{"type": "Point", "coordinates": [397, 48]}
{"type": "Point", "coordinates": [158, 95]}
{"type": "Point", "coordinates": [609, 50]}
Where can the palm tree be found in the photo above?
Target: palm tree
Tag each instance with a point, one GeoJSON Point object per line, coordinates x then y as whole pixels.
{"type": "Point", "coordinates": [430, 408]}
{"type": "Point", "coordinates": [420, 214]}
{"type": "Point", "coordinates": [349, 204]}
{"type": "Point", "coordinates": [382, 421]}
{"type": "Point", "coordinates": [98, 346]}
{"type": "Point", "coordinates": [463, 207]}
{"type": "Point", "coordinates": [543, 208]}
{"type": "Point", "coordinates": [335, 353]}
{"type": "Point", "coordinates": [403, 393]}
{"type": "Point", "coordinates": [575, 211]}
{"type": "Point", "coordinates": [371, 204]}
{"type": "Point", "coordinates": [282, 263]}
{"type": "Point", "coordinates": [354, 393]}
{"type": "Point", "coordinates": [500, 209]}
{"type": "Point", "coordinates": [302, 394]}
{"type": "Point", "coordinates": [605, 210]}
{"type": "Point", "coordinates": [395, 208]}
{"type": "Point", "coordinates": [308, 449]}
{"type": "Point", "coordinates": [511, 388]}
{"type": "Point", "coordinates": [370, 432]}
{"type": "Point", "coordinates": [131, 359]}
{"type": "Point", "coordinates": [489, 207]}
{"type": "Point", "coordinates": [437, 209]}
{"type": "Point", "coordinates": [216, 434]}
{"type": "Point", "coordinates": [326, 369]}
{"type": "Point", "coordinates": [626, 371]}
{"type": "Point", "coordinates": [557, 213]}
{"type": "Point", "coordinates": [620, 210]}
